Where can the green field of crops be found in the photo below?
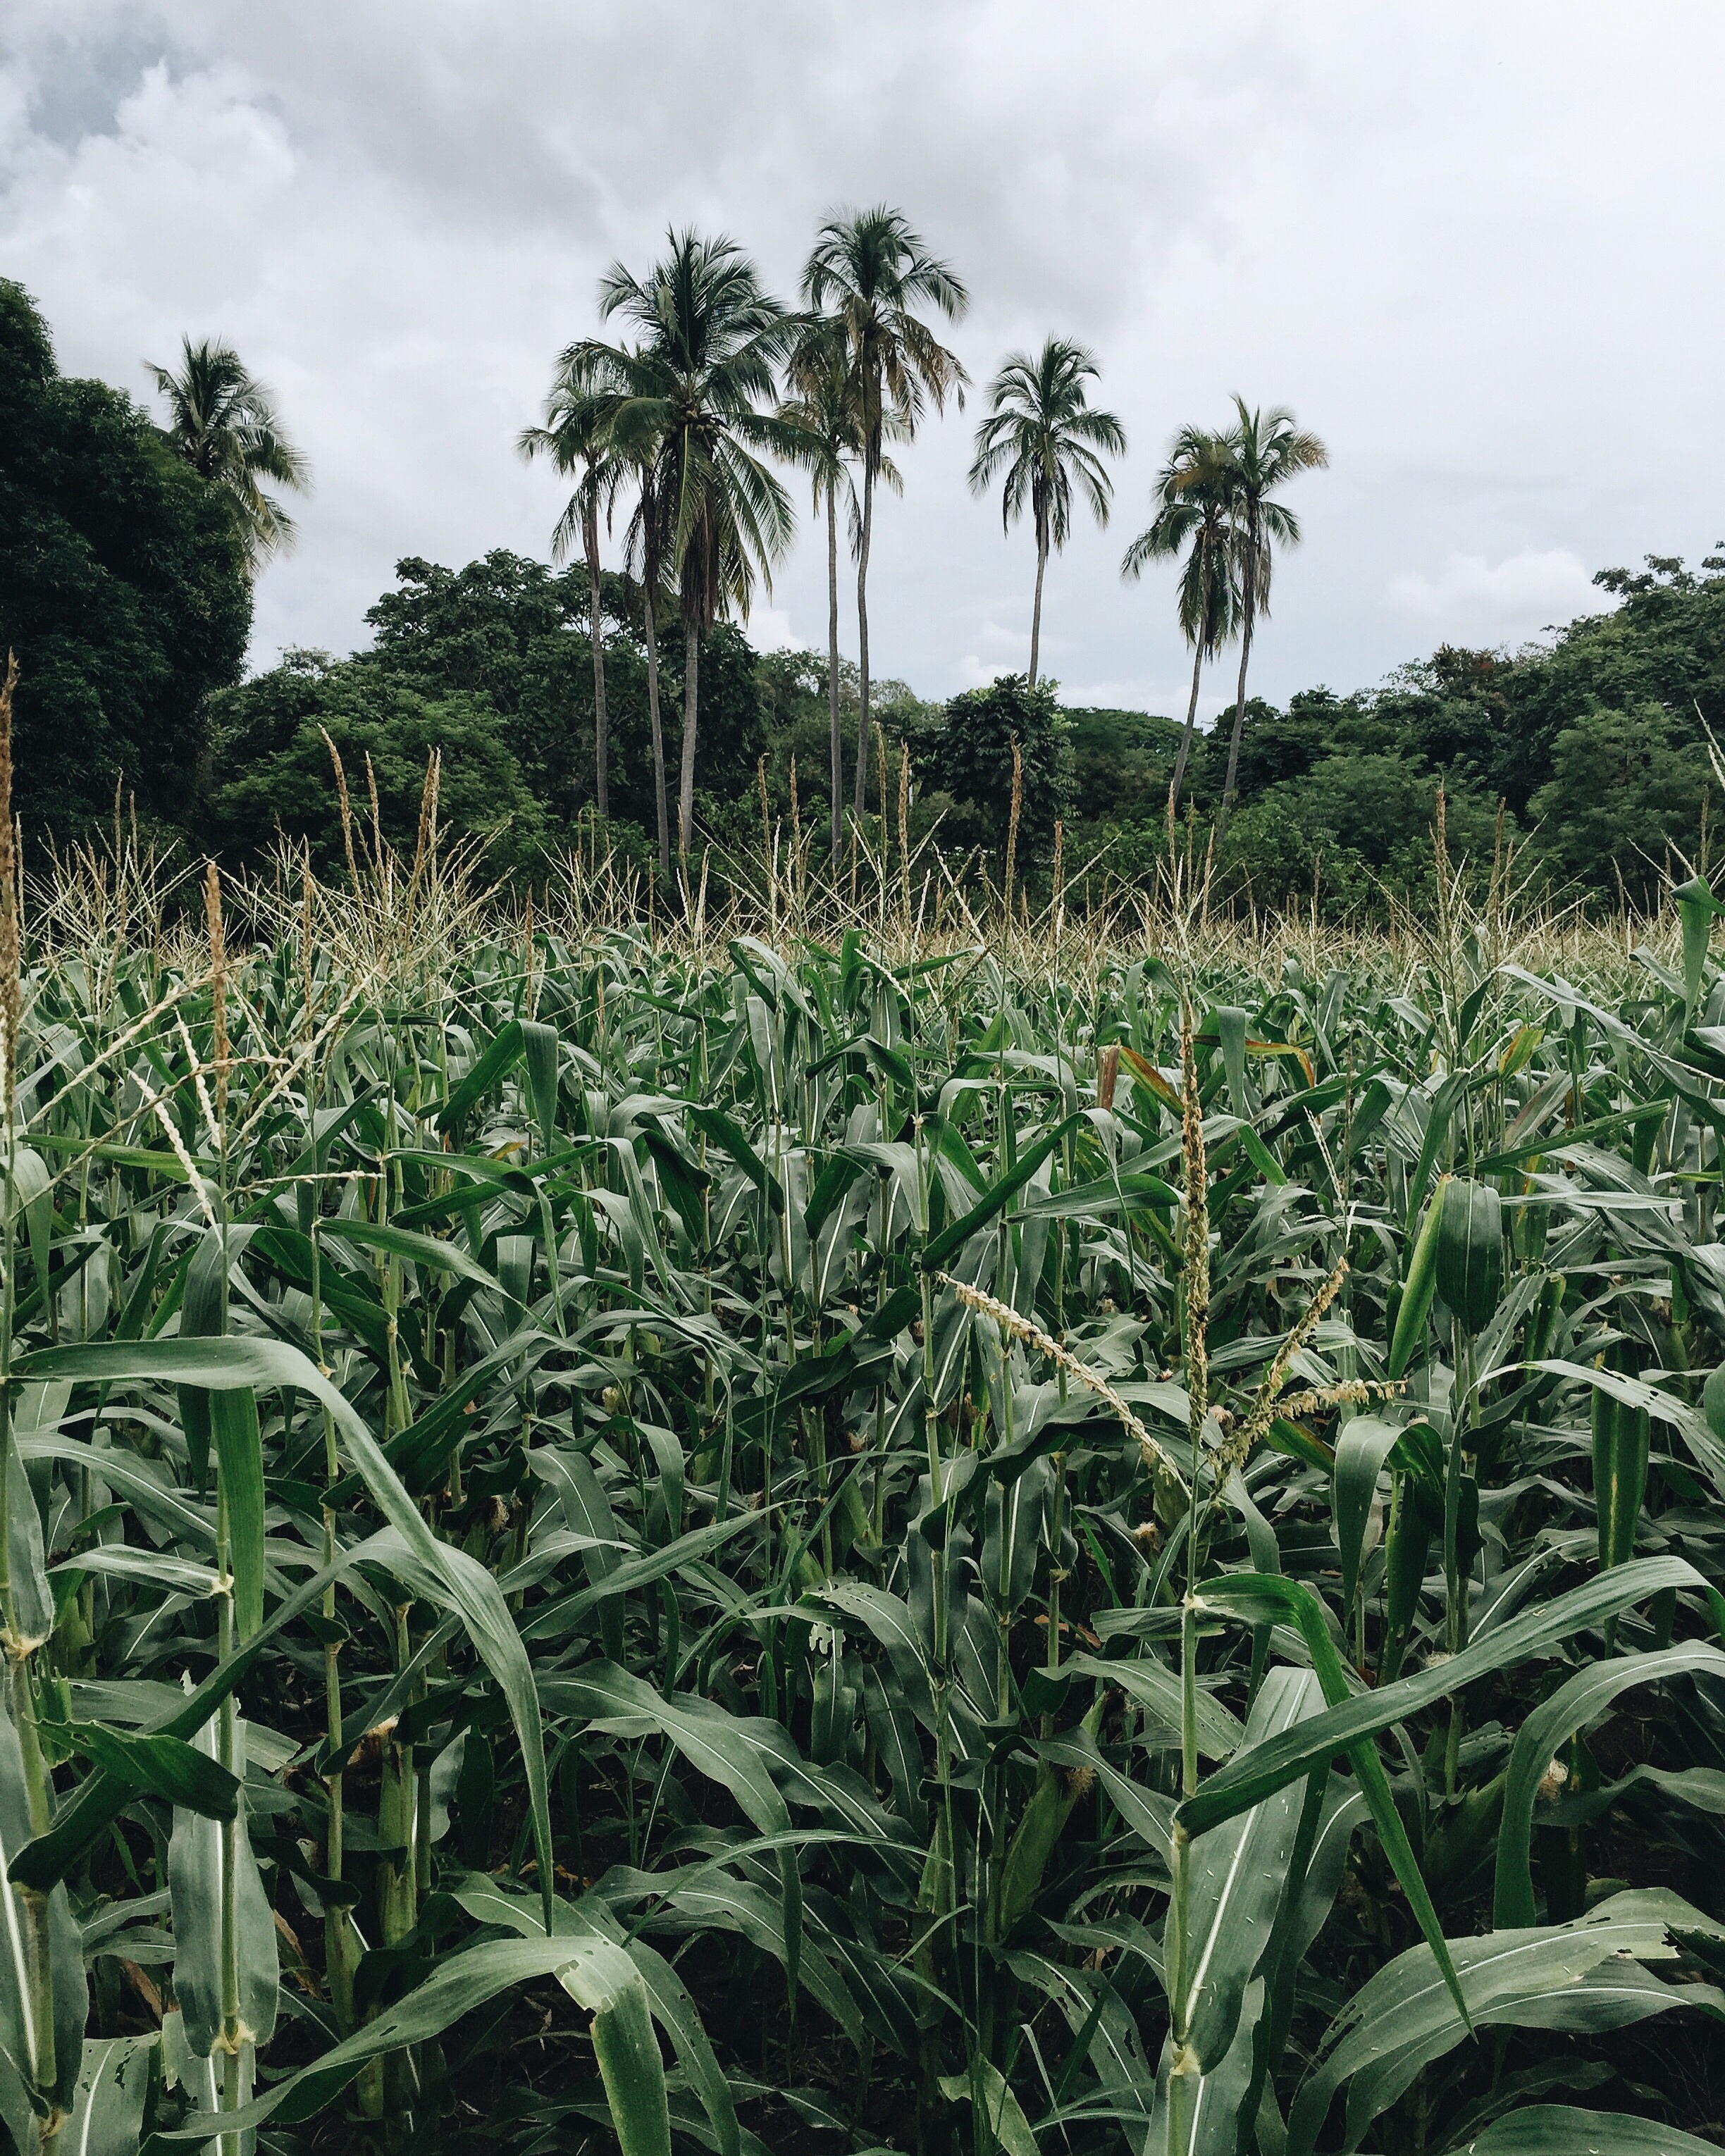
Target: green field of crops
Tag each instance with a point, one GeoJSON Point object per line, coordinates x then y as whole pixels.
{"type": "Point", "coordinates": [821, 1539]}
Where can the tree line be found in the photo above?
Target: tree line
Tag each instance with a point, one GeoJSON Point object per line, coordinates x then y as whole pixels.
{"type": "Point", "coordinates": [130, 541]}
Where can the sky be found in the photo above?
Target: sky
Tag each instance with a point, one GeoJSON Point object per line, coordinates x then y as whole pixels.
{"type": "Point", "coordinates": [1477, 248]}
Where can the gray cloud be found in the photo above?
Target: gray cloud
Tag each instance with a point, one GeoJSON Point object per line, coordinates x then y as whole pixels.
{"type": "Point", "coordinates": [1475, 248]}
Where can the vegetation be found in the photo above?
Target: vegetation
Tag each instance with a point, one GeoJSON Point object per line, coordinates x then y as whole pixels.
{"type": "Point", "coordinates": [123, 588]}
{"type": "Point", "coordinates": [1019, 1474]}
{"type": "Point", "coordinates": [821, 1534]}
{"type": "Point", "coordinates": [223, 423]}
{"type": "Point", "coordinates": [1040, 433]}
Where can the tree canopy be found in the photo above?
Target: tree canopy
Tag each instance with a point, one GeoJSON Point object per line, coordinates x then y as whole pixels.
{"type": "Point", "coordinates": [123, 590]}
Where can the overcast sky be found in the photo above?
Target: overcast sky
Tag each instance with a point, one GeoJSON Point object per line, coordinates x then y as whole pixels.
{"type": "Point", "coordinates": [1477, 247]}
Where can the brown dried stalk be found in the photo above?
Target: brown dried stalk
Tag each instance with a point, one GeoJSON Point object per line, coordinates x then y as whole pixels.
{"type": "Point", "coordinates": [346, 806]}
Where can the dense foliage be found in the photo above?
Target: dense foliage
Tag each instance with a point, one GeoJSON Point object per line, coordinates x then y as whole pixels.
{"type": "Point", "coordinates": [122, 589]}
{"type": "Point", "coordinates": [1588, 756]}
{"type": "Point", "coordinates": [1084, 1552]}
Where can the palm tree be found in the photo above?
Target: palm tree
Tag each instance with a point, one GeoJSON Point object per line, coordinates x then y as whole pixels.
{"type": "Point", "coordinates": [1194, 497]}
{"type": "Point", "coordinates": [1041, 431]}
{"type": "Point", "coordinates": [688, 399]}
{"type": "Point", "coordinates": [222, 422]}
{"type": "Point", "coordinates": [823, 407]}
{"type": "Point", "coordinates": [645, 546]}
{"type": "Point", "coordinates": [576, 438]}
{"type": "Point", "coordinates": [870, 270]}
{"type": "Point", "coordinates": [1265, 450]}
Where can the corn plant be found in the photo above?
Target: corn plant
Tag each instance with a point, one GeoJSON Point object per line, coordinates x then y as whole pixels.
{"type": "Point", "coordinates": [736, 1540]}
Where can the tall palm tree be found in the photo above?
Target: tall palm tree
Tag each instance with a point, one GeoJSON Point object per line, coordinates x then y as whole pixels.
{"type": "Point", "coordinates": [575, 438]}
{"type": "Point", "coordinates": [1042, 432]}
{"type": "Point", "coordinates": [1265, 450]}
{"type": "Point", "coordinates": [871, 272]}
{"type": "Point", "coordinates": [223, 422]}
{"type": "Point", "coordinates": [1195, 495]}
{"type": "Point", "coordinates": [646, 546]}
{"type": "Point", "coordinates": [823, 406]}
{"type": "Point", "coordinates": [689, 397]}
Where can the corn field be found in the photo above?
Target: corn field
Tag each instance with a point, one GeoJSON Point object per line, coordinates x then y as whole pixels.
{"type": "Point", "coordinates": [814, 1535]}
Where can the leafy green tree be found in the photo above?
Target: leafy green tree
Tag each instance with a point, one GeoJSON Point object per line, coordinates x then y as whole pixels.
{"type": "Point", "coordinates": [123, 591]}
{"type": "Point", "coordinates": [871, 272]}
{"type": "Point", "coordinates": [1043, 434]}
{"type": "Point", "coordinates": [1623, 798]}
{"type": "Point", "coordinates": [689, 396]}
{"type": "Point", "coordinates": [576, 438]}
{"type": "Point", "coordinates": [271, 769]}
{"type": "Point", "coordinates": [223, 422]}
{"type": "Point", "coordinates": [1265, 450]}
{"type": "Point", "coordinates": [968, 755]}
{"type": "Point", "coordinates": [1194, 500]}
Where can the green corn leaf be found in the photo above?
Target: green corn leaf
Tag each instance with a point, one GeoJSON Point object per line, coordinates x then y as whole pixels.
{"type": "Point", "coordinates": [1417, 1292]}
{"type": "Point", "coordinates": [1005, 2124]}
{"type": "Point", "coordinates": [159, 1766]}
{"type": "Point", "coordinates": [1404, 2016]}
{"type": "Point", "coordinates": [1558, 2129]}
{"type": "Point", "coordinates": [1551, 1725]}
{"type": "Point", "coordinates": [459, 1983]}
{"type": "Point", "coordinates": [539, 1051]}
{"type": "Point", "coordinates": [998, 1195]}
{"type": "Point", "coordinates": [1363, 1446]}
{"type": "Point", "coordinates": [1469, 1252]}
{"type": "Point", "coordinates": [493, 1067]}
{"type": "Point", "coordinates": [1239, 1873]}
{"type": "Point", "coordinates": [462, 1585]}
{"type": "Point", "coordinates": [198, 1886]}
{"type": "Point", "coordinates": [108, 2108]}
{"type": "Point", "coordinates": [1253, 1773]}
{"type": "Point", "coordinates": [713, 1743]}
{"type": "Point", "coordinates": [239, 1462]}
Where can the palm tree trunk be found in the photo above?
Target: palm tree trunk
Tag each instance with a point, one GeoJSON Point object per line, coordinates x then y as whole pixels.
{"type": "Point", "coordinates": [1179, 780]}
{"type": "Point", "coordinates": [862, 634]}
{"type": "Point", "coordinates": [600, 719]}
{"type": "Point", "coordinates": [1245, 653]}
{"type": "Point", "coordinates": [691, 691]}
{"type": "Point", "coordinates": [1036, 610]}
{"type": "Point", "coordinates": [659, 799]}
{"type": "Point", "coordinates": [833, 659]}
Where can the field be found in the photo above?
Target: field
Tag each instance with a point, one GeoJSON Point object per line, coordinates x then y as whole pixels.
{"type": "Point", "coordinates": [1073, 1536]}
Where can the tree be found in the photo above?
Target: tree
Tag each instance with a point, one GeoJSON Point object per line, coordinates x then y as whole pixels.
{"type": "Point", "coordinates": [575, 438]}
{"type": "Point", "coordinates": [1043, 433]}
{"type": "Point", "coordinates": [826, 409]}
{"type": "Point", "coordinates": [1193, 499]}
{"type": "Point", "coordinates": [123, 590]}
{"type": "Point", "coordinates": [870, 270]}
{"type": "Point", "coordinates": [222, 421]}
{"type": "Point", "coordinates": [967, 753]}
{"type": "Point", "coordinates": [1265, 450]}
{"type": "Point", "coordinates": [689, 397]}
{"type": "Point", "coordinates": [646, 546]}
{"type": "Point", "coordinates": [271, 769]}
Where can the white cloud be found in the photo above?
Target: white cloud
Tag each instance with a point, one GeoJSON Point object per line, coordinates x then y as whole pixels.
{"type": "Point", "coordinates": [769, 630]}
{"type": "Point", "coordinates": [400, 213]}
{"type": "Point", "coordinates": [1515, 597]}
